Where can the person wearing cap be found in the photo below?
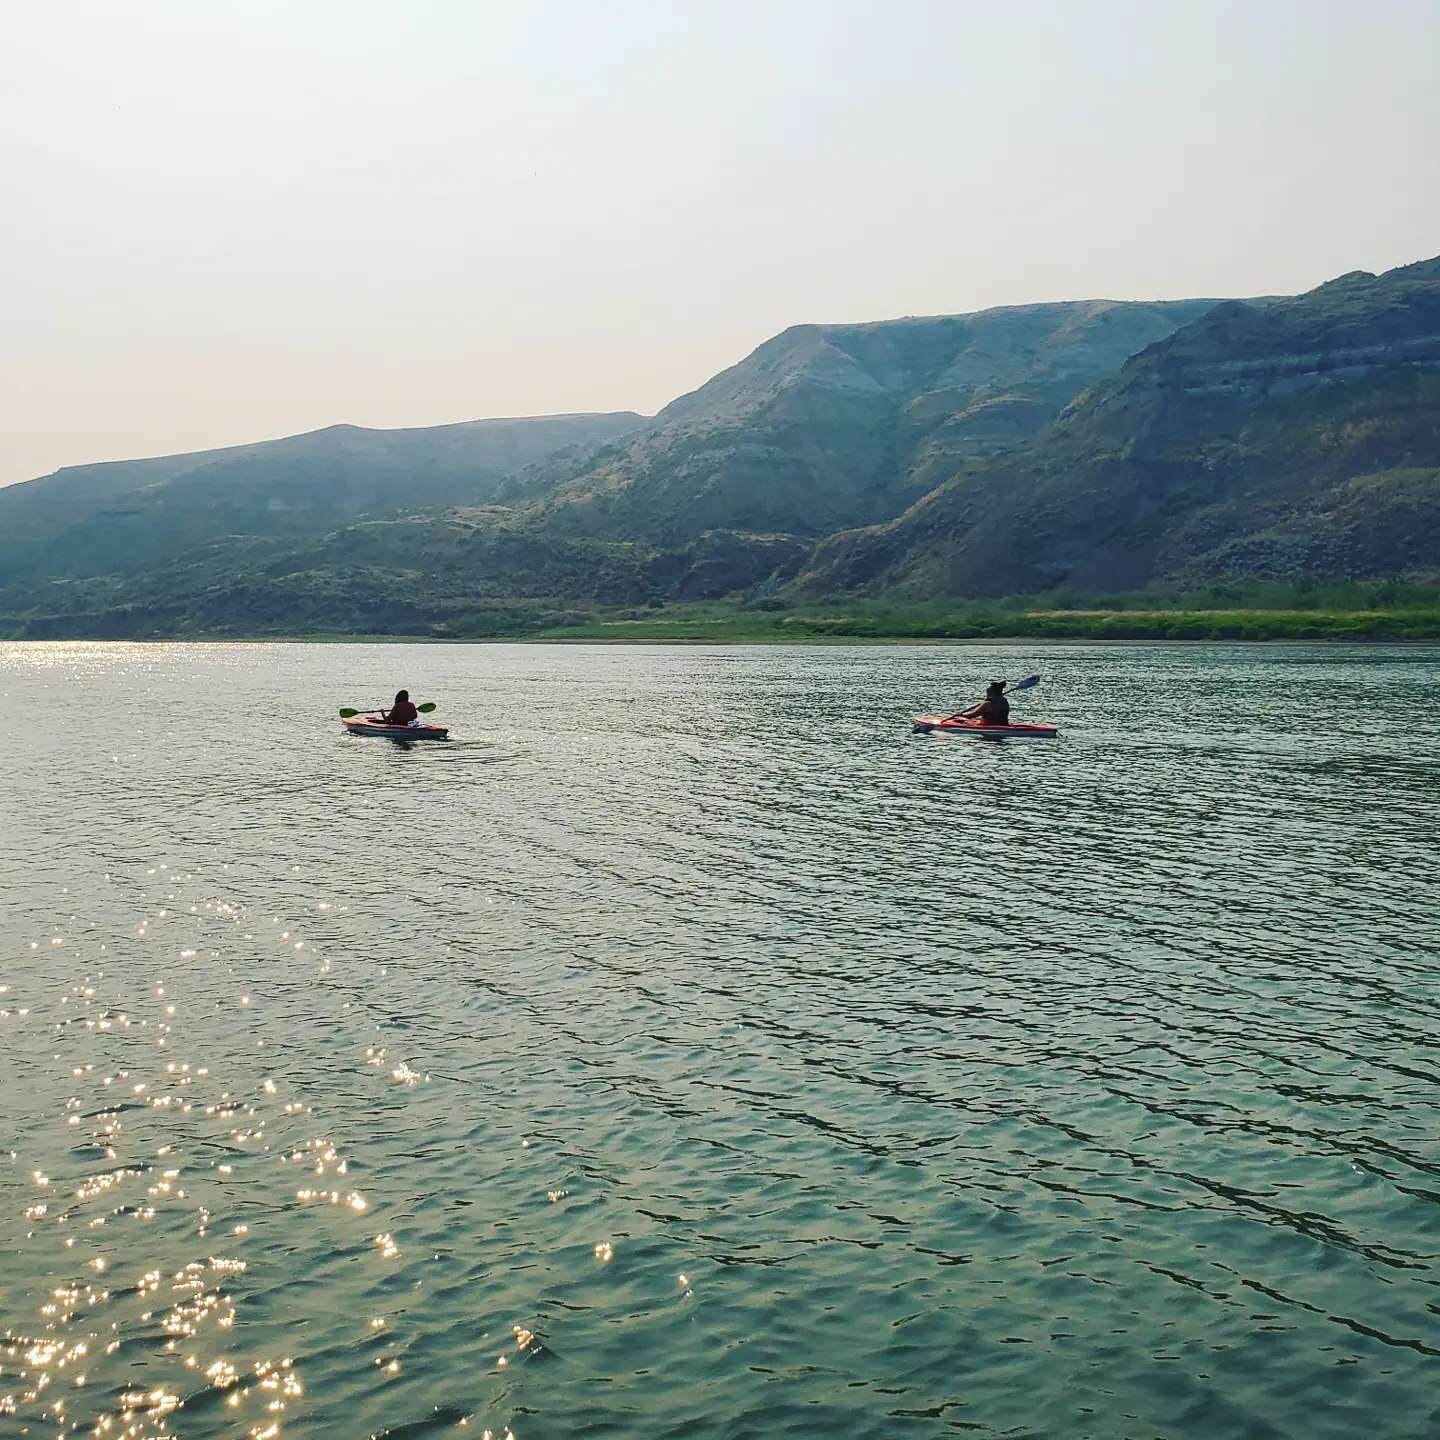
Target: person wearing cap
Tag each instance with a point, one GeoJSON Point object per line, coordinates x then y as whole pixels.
{"type": "Point", "coordinates": [994, 709]}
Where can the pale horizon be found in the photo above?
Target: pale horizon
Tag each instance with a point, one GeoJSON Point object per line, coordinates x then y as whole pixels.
{"type": "Point", "coordinates": [235, 227]}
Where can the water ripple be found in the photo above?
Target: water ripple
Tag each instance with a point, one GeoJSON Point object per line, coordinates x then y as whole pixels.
{"type": "Point", "coordinates": [686, 1049]}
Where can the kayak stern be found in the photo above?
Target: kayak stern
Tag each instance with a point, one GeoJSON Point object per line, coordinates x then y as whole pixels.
{"type": "Point", "coordinates": [363, 725]}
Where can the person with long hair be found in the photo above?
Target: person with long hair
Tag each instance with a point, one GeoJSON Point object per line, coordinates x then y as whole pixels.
{"type": "Point", "coordinates": [402, 712]}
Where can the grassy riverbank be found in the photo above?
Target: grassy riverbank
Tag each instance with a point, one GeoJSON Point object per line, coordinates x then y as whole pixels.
{"type": "Point", "coordinates": [1374, 612]}
{"type": "Point", "coordinates": [730, 625]}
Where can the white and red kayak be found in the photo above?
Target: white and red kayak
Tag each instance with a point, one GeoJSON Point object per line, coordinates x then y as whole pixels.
{"type": "Point", "coordinates": [364, 725]}
{"type": "Point", "coordinates": [956, 725]}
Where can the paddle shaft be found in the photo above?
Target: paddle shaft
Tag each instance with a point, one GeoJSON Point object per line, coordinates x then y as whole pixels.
{"type": "Point", "coordinates": [348, 714]}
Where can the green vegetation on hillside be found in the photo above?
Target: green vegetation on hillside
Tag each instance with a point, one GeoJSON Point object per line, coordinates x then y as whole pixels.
{"type": "Point", "coordinates": [140, 517]}
{"type": "Point", "coordinates": [1389, 612]}
{"type": "Point", "coordinates": [1220, 483]}
{"type": "Point", "coordinates": [829, 426]}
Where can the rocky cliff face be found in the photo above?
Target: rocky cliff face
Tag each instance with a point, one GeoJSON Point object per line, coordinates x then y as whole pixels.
{"type": "Point", "coordinates": [827, 426]}
{"type": "Point", "coordinates": [1344, 330]}
{"type": "Point", "coordinates": [1298, 437]}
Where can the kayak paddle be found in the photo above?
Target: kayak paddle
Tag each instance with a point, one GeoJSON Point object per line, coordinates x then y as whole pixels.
{"type": "Point", "coordinates": [348, 714]}
{"type": "Point", "coordinates": [1028, 683]}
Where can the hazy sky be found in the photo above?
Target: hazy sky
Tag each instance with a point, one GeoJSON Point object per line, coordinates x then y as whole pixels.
{"type": "Point", "coordinates": [226, 221]}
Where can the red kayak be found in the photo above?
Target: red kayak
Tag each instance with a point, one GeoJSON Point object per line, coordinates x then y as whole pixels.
{"type": "Point", "coordinates": [364, 725]}
{"type": "Point", "coordinates": [954, 725]}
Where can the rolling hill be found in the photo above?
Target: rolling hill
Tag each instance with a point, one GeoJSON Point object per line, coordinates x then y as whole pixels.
{"type": "Point", "coordinates": [126, 516]}
{"type": "Point", "coordinates": [1088, 447]}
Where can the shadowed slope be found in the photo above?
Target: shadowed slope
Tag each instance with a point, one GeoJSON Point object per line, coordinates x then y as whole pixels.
{"type": "Point", "coordinates": [1299, 438]}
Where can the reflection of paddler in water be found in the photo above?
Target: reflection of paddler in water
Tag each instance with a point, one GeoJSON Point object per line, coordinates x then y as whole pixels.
{"type": "Point", "coordinates": [994, 709]}
{"type": "Point", "coordinates": [402, 712]}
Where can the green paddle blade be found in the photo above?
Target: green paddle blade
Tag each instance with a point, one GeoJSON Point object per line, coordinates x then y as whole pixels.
{"type": "Point", "coordinates": [348, 714]}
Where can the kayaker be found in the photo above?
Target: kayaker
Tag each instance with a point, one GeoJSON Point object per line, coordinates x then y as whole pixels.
{"type": "Point", "coordinates": [402, 712]}
{"type": "Point", "coordinates": [994, 709]}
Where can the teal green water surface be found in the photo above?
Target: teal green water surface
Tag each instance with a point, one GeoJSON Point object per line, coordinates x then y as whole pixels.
{"type": "Point", "coordinates": [687, 1050]}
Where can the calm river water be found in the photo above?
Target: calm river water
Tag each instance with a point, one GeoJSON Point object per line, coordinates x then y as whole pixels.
{"type": "Point", "coordinates": [685, 1049]}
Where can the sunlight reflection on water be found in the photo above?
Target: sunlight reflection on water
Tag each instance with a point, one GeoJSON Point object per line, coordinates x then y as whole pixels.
{"type": "Point", "coordinates": [685, 1049]}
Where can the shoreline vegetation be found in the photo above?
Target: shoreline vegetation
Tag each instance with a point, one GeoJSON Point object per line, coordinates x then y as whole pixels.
{"type": "Point", "coordinates": [1389, 611]}
{"type": "Point", "coordinates": [884, 624]}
